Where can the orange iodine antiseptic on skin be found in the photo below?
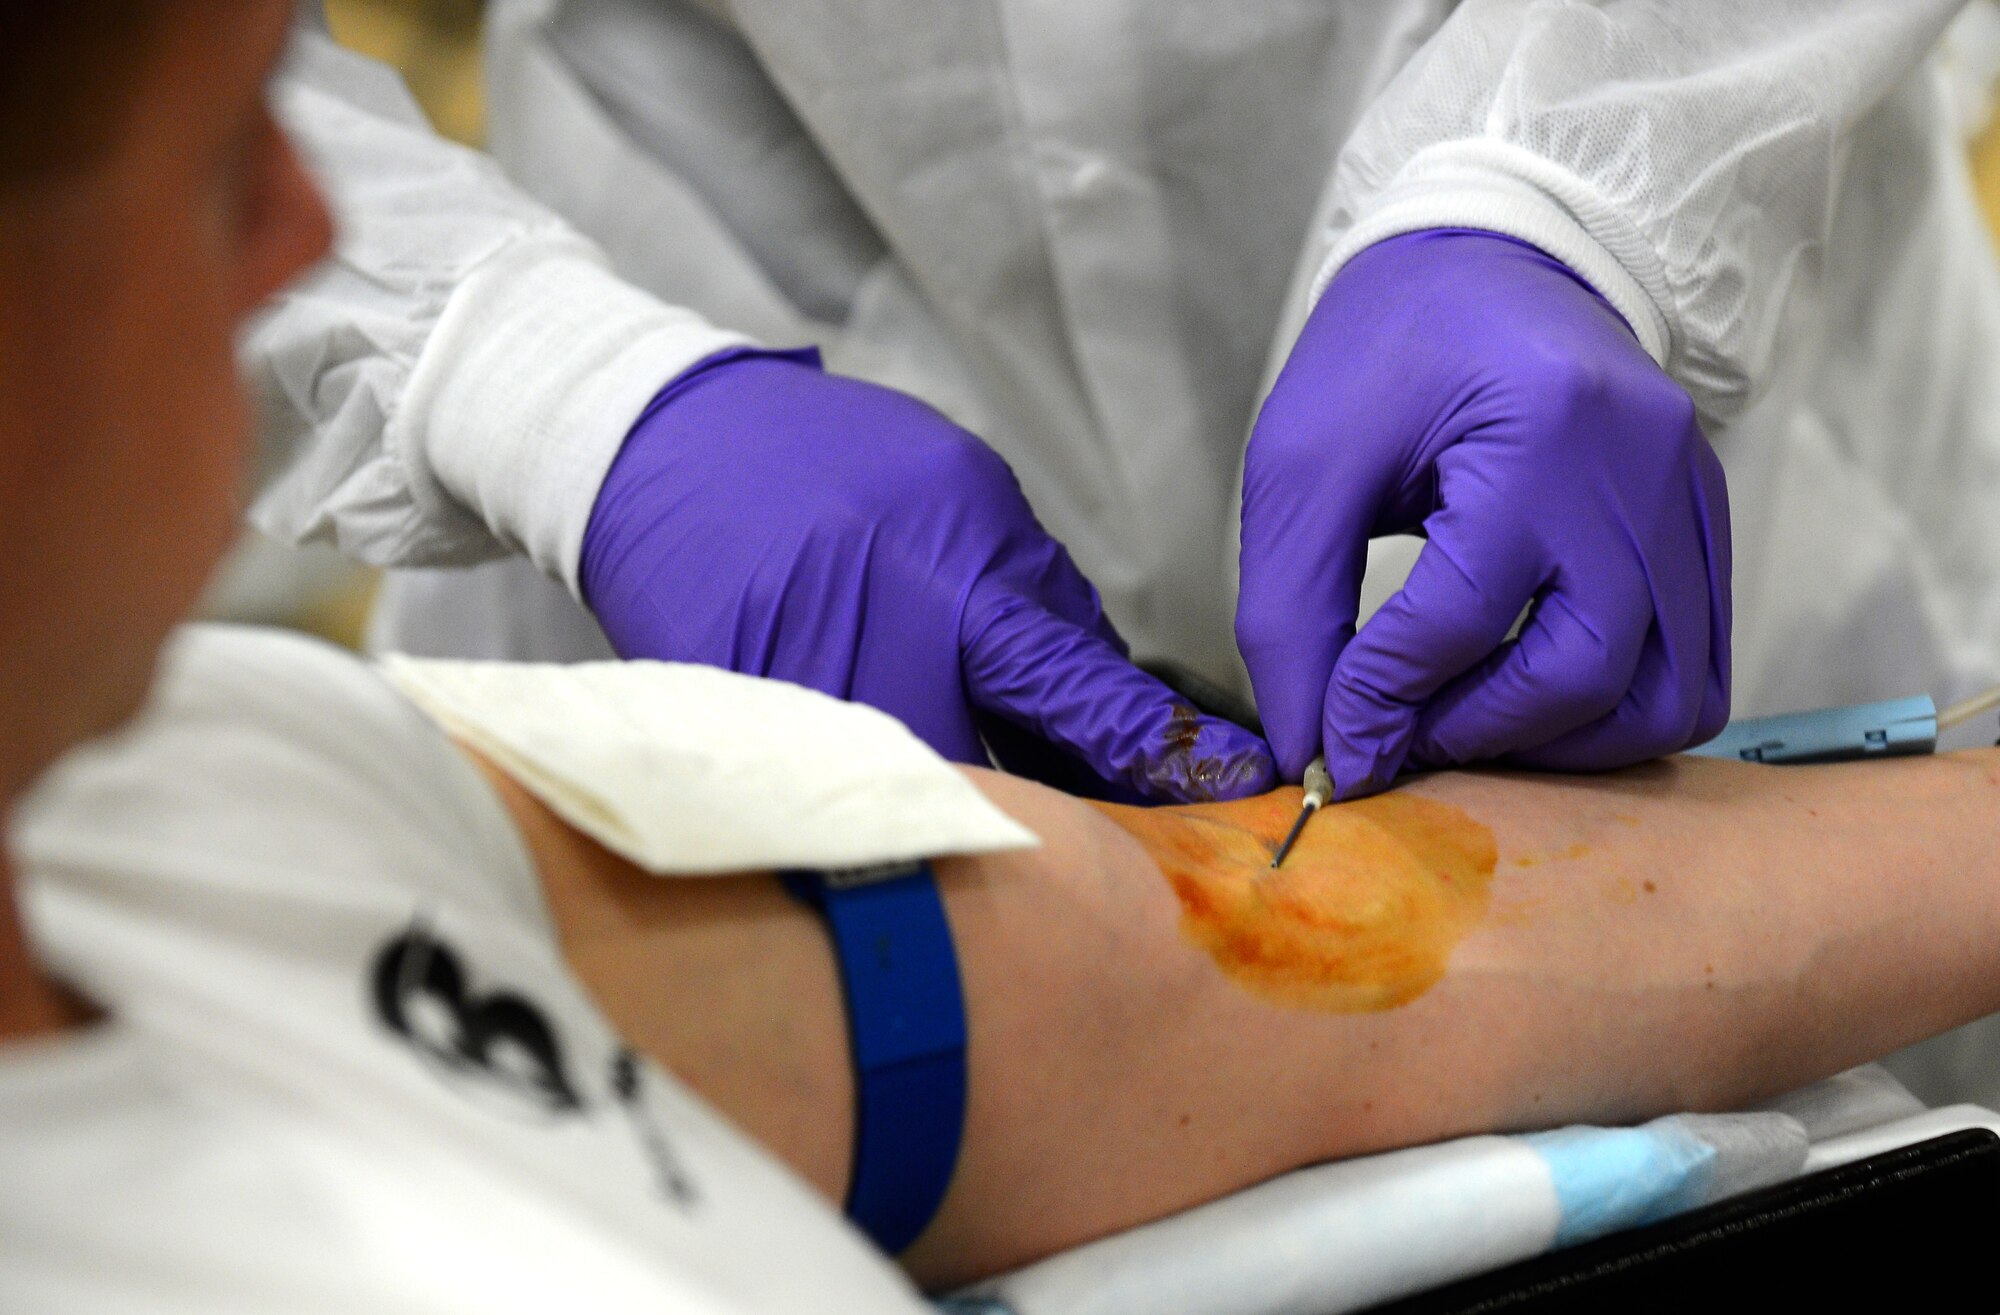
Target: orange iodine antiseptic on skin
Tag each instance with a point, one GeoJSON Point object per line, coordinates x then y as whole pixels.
{"type": "Point", "coordinates": [1363, 915]}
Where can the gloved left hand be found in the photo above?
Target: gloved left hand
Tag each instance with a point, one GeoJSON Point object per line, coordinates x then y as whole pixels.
{"type": "Point", "coordinates": [1470, 386]}
{"type": "Point", "coordinates": [769, 518]}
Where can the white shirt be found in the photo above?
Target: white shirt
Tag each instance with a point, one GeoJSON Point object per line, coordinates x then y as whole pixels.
{"type": "Point", "coordinates": [347, 1068]}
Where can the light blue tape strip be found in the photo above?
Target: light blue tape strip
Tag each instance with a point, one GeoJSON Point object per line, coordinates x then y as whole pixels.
{"type": "Point", "coordinates": [1612, 1178]}
{"type": "Point", "coordinates": [1831, 735]}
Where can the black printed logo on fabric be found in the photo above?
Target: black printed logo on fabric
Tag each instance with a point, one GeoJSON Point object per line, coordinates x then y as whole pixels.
{"type": "Point", "coordinates": [499, 1048]}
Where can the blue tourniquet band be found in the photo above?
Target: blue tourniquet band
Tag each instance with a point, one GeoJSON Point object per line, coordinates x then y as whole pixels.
{"type": "Point", "coordinates": [906, 1019]}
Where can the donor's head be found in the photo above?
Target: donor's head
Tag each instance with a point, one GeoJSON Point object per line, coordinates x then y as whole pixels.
{"type": "Point", "coordinates": [148, 203]}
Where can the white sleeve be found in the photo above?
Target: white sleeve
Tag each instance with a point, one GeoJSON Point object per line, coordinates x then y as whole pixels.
{"type": "Point", "coordinates": [1681, 155]}
{"type": "Point", "coordinates": [453, 384]}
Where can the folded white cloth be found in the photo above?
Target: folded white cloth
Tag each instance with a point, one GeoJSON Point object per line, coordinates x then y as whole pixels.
{"type": "Point", "coordinates": [687, 770]}
{"type": "Point", "coordinates": [1344, 1236]}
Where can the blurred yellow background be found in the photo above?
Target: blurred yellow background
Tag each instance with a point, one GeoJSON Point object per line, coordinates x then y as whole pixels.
{"type": "Point", "coordinates": [434, 43]}
{"type": "Point", "coordinates": [1986, 172]}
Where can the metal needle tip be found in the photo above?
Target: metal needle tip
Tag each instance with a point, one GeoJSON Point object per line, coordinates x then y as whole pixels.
{"type": "Point", "coordinates": [1319, 789]}
{"type": "Point", "coordinates": [1292, 837]}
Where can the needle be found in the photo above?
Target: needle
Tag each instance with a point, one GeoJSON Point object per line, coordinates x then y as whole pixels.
{"type": "Point", "coordinates": [1319, 789]}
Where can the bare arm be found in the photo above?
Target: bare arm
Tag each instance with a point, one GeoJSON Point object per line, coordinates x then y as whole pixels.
{"type": "Point", "coordinates": [1156, 1021]}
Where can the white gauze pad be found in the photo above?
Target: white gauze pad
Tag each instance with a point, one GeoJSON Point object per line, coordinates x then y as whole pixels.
{"type": "Point", "coordinates": [690, 770]}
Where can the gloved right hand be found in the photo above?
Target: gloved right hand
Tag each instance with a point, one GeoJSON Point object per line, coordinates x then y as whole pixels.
{"type": "Point", "coordinates": [770, 518]}
{"type": "Point", "coordinates": [1468, 385]}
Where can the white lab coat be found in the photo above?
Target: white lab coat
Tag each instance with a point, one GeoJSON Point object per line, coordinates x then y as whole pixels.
{"type": "Point", "coordinates": [1090, 231]}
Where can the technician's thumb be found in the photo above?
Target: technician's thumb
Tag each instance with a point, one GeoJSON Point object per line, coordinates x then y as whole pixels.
{"type": "Point", "coordinates": [1073, 690]}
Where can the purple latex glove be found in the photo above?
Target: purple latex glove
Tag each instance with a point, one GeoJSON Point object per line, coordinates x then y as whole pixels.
{"type": "Point", "coordinates": [773, 519]}
{"type": "Point", "coordinates": [1469, 386]}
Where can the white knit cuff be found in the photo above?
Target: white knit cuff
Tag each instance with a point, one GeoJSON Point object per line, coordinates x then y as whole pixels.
{"type": "Point", "coordinates": [538, 367]}
{"type": "Point", "coordinates": [1492, 185]}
